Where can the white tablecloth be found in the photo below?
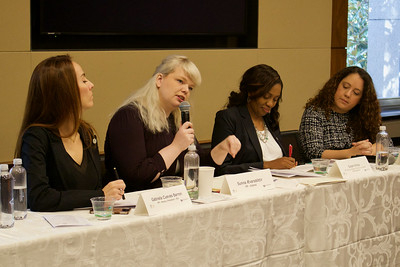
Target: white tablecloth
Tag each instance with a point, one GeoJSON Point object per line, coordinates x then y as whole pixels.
{"type": "Point", "coordinates": [262, 229]}
{"type": "Point", "coordinates": [355, 223]}
{"type": "Point", "coordinates": [348, 224]}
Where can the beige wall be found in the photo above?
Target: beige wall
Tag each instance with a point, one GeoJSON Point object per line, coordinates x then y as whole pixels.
{"type": "Point", "coordinates": [294, 38]}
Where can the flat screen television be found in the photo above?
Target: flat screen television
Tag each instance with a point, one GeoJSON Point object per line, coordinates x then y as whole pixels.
{"type": "Point", "coordinates": [145, 24]}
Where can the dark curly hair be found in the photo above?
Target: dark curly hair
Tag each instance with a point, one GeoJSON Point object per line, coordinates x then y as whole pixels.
{"type": "Point", "coordinates": [365, 117]}
{"type": "Point", "coordinates": [259, 79]}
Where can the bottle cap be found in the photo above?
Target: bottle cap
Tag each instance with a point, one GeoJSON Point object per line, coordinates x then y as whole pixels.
{"type": "Point", "coordinates": [192, 147]}
{"type": "Point", "coordinates": [382, 128]}
{"type": "Point", "coordinates": [4, 167]}
{"type": "Point", "coordinates": [17, 161]}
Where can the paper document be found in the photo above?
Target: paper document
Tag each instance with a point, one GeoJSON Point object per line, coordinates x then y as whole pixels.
{"type": "Point", "coordinates": [65, 220]}
{"type": "Point", "coordinates": [321, 180]}
{"type": "Point", "coordinates": [301, 170]}
{"type": "Point", "coordinates": [293, 172]}
{"type": "Point", "coordinates": [286, 183]}
{"type": "Point", "coordinates": [304, 168]}
{"type": "Point", "coordinates": [215, 197]}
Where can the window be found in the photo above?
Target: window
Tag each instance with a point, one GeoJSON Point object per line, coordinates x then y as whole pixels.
{"type": "Point", "coordinates": [373, 43]}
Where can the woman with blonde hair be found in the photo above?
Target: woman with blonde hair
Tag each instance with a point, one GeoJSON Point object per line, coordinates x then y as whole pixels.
{"type": "Point", "coordinates": [145, 139]}
{"type": "Point", "coordinates": [59, 149]}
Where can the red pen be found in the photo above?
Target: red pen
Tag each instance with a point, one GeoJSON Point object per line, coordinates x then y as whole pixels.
{"type": "Point", "coordinates": [290, 150]}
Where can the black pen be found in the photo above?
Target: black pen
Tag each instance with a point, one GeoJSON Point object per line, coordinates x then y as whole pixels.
{"type": "Point", "coordinates": [117, 176]}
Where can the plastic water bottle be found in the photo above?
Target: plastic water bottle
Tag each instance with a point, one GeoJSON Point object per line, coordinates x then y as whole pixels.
{"type": "Point", "coordinates": [18, 172]}
{"type": "Point", "coordinates": [191, 172]}
{"type": "Point", "coordinates": [7, 199]}
{"type": "Point", "coordinates": [382, 149]}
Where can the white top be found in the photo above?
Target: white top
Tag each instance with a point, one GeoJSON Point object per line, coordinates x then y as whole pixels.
{"type": "Point", "coordinates": [270, 149]}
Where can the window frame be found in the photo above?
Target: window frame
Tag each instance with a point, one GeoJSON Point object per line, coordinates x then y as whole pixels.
{"type": "Point", "coordinates": [390, 107]}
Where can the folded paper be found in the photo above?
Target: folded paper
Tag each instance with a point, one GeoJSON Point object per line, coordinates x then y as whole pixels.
{"type": "Point", "coordinates": [163, 200]}
{"type": "Point", "coordinates": [235, 184]}
{"type": "Point", "coordinates": [351, 168]}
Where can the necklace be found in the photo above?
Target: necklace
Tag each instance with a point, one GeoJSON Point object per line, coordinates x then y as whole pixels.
{"type": "Point", "coordinates": [262, 135]}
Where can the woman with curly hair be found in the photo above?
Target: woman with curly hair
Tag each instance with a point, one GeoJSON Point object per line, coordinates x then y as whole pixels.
{"type": "Point", "coordinates": [342, 120]}
{"type": "Point", "coordinates": [252, 116]}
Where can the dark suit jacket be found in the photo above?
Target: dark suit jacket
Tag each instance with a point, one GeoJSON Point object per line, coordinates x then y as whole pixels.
{"type": "Point", "coordinates": [51, 187]}
{"type": "Point", "coordinates": [237, 121]}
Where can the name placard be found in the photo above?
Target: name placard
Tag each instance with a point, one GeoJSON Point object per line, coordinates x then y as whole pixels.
{"type": "Point", "coordinates": [162, 200]}
{"type": "Point", "coordinates": [351, 168]}
{"type": "Point", "coordinates": [235, 184]}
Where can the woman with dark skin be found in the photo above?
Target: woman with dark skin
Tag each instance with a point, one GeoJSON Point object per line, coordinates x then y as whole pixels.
{"type": "Point", "coordinates": [252, 116]}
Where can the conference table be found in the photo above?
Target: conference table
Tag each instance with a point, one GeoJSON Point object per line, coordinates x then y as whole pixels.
{"type": "Point", "coordinates": [353, 223]}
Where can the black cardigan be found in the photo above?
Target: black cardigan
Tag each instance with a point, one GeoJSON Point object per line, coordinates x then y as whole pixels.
{"type": "Point", "coordinates": [50, 187]}
{"type": "Point", "coordinates": [133, 150]}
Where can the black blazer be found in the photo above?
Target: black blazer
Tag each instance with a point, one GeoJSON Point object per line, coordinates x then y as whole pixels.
{"type": "Point", "coordinates": [237, 121]}
{"type": "Point", "coordinates": [50, 188]}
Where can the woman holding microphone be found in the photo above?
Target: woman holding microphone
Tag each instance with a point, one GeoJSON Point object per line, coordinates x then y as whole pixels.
{"type": "Point", "coordinates": [145, 138]}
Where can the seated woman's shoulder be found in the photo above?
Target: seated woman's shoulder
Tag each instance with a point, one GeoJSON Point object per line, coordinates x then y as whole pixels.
{"type": "Point", "coordinates": [37, 130]}
{"type": "Point", "coordinates": [313, 111]}
{"type": "Point", "coordinates": [228, 112]}
{"type": "Point", "coordinates": [221, 112]}
{"type": "Point", "coordinates": [38, 135]}
{"type": "Point", "coordinates": [126, 112]}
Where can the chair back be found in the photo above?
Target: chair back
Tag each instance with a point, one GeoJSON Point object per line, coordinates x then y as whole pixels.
{"type": "Point", "coordinates": [292, 138]}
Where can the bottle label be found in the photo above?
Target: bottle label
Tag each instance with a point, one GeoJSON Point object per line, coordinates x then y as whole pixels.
{"type": "Point", "coordinates": [7, 201]}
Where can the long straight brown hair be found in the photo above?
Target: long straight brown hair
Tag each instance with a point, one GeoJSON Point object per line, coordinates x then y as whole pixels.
{"type": "Point", "coordinates": [53, 98]}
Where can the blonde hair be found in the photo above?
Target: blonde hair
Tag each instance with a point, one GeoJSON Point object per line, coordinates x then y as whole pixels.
{"type": "Point", "coordinates": [147, 100]}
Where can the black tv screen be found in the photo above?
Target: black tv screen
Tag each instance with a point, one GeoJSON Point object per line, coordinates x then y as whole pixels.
{"type": "Point", "coordinates": [154, 24]}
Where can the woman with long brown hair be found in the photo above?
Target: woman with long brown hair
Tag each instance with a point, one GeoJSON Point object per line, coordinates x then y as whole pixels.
{"type": "Point", "coordinates": [342, 120]}
{"type": "Point", "coordinates": [59, 149]}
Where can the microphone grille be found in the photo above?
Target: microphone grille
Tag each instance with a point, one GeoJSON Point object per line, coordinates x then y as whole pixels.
{"type": "Point", "coordinates": [184, 106]}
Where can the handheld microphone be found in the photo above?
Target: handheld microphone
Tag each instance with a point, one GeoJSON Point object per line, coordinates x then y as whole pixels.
{"type": "Point", "coordinates": [184, 107]}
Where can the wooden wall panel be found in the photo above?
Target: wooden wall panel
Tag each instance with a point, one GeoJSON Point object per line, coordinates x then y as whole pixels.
{"type": "Point", "coordinates": [339, 35]}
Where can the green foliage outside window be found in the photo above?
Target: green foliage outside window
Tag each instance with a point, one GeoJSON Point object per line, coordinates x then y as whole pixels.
{"type": "Point", "coordinates": [357, 33]}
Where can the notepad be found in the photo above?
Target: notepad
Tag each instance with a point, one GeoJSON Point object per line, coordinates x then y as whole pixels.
{"type": "Point", "coordinates": [215, 197]}
{"type": "Point", "coordinates": [321, 180]}
{"type": "Point", "coordinates": [66, 220]}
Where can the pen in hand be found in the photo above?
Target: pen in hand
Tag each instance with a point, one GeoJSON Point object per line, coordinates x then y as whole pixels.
{"type": "Point", "coordinates": [117, 176]}
{"type": "Point", "coordinates": [290, 150]}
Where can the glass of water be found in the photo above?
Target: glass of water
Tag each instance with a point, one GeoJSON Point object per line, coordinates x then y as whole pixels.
{"type": "Point", "coordinates": [102, 207]}
{"type": "Point", "coordinates": [320, 166]}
